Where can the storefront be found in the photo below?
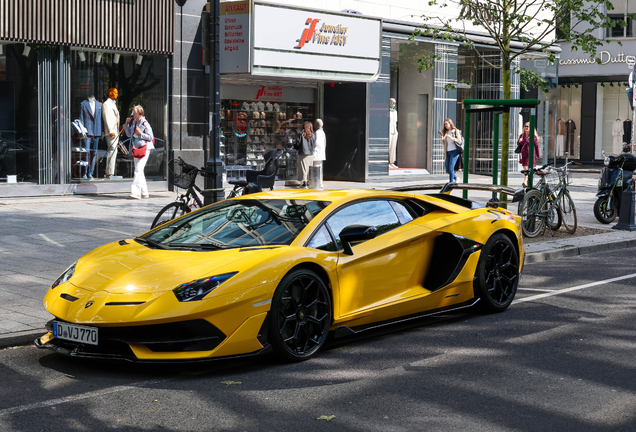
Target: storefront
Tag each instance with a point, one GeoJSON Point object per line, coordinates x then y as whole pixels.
{"type": "Point", "coordinates": [275, 78]}
{"type": "Point", "coordinates": [53, 81]}
{"type": "Point", "coordinates": [594, 114]}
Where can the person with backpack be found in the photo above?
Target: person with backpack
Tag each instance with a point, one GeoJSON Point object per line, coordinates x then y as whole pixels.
{"type": "Point", "coordinates": [452, 142]}
{"type": "Point", "coordinates": [143, 139]}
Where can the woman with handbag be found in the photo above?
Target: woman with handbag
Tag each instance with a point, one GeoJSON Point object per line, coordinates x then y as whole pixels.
{"type": "Point", "coordinates": [523, 148]}
{"type": "Point", "coordinates": [142, 143]}
{"type": "Point", "coordinates": [305, 144]}
{"type": "Point", "coordinates": [451, 140]}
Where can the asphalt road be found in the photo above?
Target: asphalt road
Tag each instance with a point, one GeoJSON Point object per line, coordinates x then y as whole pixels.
{"type": "Point", "coordinates": [561, 358]}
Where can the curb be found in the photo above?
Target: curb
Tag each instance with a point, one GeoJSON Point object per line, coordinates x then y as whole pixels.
{"type": "Point", "coordinates": [20, 338]}
{"type": "Point", "coordinates": [579, 250]}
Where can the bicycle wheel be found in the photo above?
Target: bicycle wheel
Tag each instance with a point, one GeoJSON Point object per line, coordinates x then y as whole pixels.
{"type": "Point", "coordinates": [569, 212]}
{"type": "Point", "coordinates": [554, 216]}
{"type": "Point", "coordinates": [170, 212]}
{"type": "Point", "coordinates": [530, 211]}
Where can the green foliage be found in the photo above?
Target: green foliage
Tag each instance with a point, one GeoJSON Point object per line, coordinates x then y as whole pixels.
{"type": "Point", "coordinates": [530, 79]}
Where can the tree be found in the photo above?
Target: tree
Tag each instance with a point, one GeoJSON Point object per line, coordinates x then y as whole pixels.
{"type": "Point", "coordinates": [519, 27]}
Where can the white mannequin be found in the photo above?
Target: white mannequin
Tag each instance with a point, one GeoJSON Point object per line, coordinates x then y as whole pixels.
{"type": "Point", "coordinates": [393, 133]}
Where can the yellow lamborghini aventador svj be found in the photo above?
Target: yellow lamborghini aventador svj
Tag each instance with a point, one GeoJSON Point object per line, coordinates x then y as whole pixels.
{"type": "Point", "coordinates": [281, 270]}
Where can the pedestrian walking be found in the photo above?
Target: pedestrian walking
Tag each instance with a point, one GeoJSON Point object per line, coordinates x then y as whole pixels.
{"type": "Point", "coordinates": [524, 141]}
{"type": "Point", "coordinates": [305, 144]}
{"type": "Point", "coordinates": [320, 149]}
{"type": "Point", "coordinates": [450, 136]}
{"type": "Point", "coordinates": [142, 144]}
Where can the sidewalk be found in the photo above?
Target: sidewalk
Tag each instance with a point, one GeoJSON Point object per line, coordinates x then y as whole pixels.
{"type": "Point", "coordinates": [42, 236]}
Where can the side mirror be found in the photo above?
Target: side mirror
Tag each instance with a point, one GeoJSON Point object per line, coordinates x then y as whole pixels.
{"type": "Point", "coordinates": [354, 233]}
{"type": "Point", "coordinates": [518, 196]}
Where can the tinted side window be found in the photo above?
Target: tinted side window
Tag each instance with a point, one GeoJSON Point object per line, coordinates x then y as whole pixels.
{"type": "Point", "coordinates": [379, 214]}
{"type": "Point", "coordinates": [402, 212]}
{"type": "Point", "coordinates": [322, 240]}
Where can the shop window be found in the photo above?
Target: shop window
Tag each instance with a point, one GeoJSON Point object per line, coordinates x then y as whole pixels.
{"type": "Point", "coordinates": [139, 80]}
{"type": "Point", "coordinates": [252, 127]}
{"type": "Point", "coordinates": [613, 118]}
{"type": "Point", "coordinates": [568, 125]}
{"type": "Point", "coordinates": [18, 115]}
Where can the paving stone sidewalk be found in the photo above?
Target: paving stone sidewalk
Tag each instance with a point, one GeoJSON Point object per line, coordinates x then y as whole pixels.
{"type": "Point", "coordinates": [41, 236]}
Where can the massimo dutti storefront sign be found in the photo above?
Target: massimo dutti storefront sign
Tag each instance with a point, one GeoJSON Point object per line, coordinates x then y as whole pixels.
{"type": "Point", "coordinates": [614, 60]}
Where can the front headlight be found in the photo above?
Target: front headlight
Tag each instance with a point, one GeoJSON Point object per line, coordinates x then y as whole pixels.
{"type": "Point", "coordinates": [197, 289]}
{"type": "Point", "coordinates": [68, 273]}
{"type": "Point", "coordinates": [606, 161]}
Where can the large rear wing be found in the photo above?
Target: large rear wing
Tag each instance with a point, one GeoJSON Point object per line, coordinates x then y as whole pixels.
{"type": "Point", "coordinates": [447, 188]}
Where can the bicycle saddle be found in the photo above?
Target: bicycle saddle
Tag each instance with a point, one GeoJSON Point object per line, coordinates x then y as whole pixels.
{"type": "Point", "coordinates": [241, 183]}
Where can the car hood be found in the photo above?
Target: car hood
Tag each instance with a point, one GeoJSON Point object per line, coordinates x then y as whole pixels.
{"type": "Point", "coordinates": [133, 268]}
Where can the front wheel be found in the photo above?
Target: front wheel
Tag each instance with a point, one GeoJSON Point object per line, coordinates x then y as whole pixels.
{"type": "Point", "coordinates": [530, 211]}
{"type": "Point", "coordinates": [300, 316]}
{"type": "Point", "coordinates": [170, 212]}
{"type": "Point", "coordinates": [569, 213]}
{"type": "Point", "coordinates": [497, 274]}
{"type": "Point", "coordinates": [555, 217]}
{"type": "Point", "coordinates": [603, 212]}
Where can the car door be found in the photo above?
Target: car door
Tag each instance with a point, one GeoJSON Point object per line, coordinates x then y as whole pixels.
{"type": "Point", "coordinates": [382, 270]}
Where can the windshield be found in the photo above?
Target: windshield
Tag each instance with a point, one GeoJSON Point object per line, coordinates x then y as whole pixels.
{"type": "Point", "coordinates": [232, 224]}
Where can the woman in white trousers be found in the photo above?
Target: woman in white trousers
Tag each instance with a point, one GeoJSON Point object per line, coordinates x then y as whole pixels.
{"type": "Point", "coordinates": [319, 149]}
{"type": "Point", "coordinates": [142, 135]}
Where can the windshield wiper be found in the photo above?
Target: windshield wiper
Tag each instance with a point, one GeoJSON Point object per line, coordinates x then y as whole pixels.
{"type": "Point", "coordinates": [148, 242]}
{"type": "Point", "coordinates": [203, 246]}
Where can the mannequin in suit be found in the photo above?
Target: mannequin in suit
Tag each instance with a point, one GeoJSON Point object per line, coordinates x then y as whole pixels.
{"type": "Point", "coordinates": [91, 118]}
{"type": "Point", "coordinates": [110, 115]}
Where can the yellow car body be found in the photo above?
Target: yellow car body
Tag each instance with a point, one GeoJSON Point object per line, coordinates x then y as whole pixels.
{"type": "Point", "coordinates": [126, 289]}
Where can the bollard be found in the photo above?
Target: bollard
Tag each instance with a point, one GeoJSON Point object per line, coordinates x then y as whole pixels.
{"type": "Point", "coordinates": [314, 177]}
{"type": "Point", "coordinates": [628, 208]}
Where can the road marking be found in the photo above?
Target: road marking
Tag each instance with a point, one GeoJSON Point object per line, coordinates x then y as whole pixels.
{"type": "Point", "coordinates": [534, 289]}
{"type": "Point", "coordinates": [118, 232]}
{"type": "Point", "coordinates": [51, 241]}
{"type": "Point", "coordinates": [74, 398]}
{"type": "Point", "coordinates": [576, 288]}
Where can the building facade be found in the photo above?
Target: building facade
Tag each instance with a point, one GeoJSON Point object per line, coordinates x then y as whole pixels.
{"type": "Point", "coordinates": [56, 67]}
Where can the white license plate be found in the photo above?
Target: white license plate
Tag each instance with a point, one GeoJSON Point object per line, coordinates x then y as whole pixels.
{"type": "Point", "coordinates": [75, 333]}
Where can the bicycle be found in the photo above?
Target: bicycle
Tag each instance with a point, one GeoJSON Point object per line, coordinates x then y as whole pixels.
{"type": "Point", "coordinates": [549, 204]}
{"type": "Point", "coordinates": [185, 202]}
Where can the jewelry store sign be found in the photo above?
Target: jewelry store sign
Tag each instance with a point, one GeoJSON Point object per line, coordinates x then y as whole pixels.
{"type": "Point", "coordinates": [304, 43]}
{"type": "Point", "coordinates": [235, 37]}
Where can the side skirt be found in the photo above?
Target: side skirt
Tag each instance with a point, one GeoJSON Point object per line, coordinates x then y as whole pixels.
{"type": "Point", "coordinates": [344, 331]}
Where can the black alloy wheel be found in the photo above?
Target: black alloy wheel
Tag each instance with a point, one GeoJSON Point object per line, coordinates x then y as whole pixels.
{"type": "Point", "coordinates": [604, 213]}
{"type": "Point", "coordinates": [497, 273]}
{"type": "Point", "coordinates": [300, 316]}
{"type": "Point", "coordinates": [171, 211]}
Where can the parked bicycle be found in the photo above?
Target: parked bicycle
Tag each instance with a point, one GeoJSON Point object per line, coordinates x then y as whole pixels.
{"type": "Point", "coordinates": [185, 202]}
{"type": "Point", "coordinates": [549, 203]}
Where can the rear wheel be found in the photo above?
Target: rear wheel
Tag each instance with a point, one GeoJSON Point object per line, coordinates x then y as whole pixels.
{"type": "Point", "coordinates": [530, 212]}
{"type": "Point", "coordinates": [604, 213]}
{"type": "Point", "coordinates": [497, 273]}
{"type": "Point", "coordinates": [170, 212]}
{"type": "Point", "coordinates": [569, 213]}
{"type": "Point", "coordinates": [300, 316]}
{"type": "Point", "coordinates": [554, 216]}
